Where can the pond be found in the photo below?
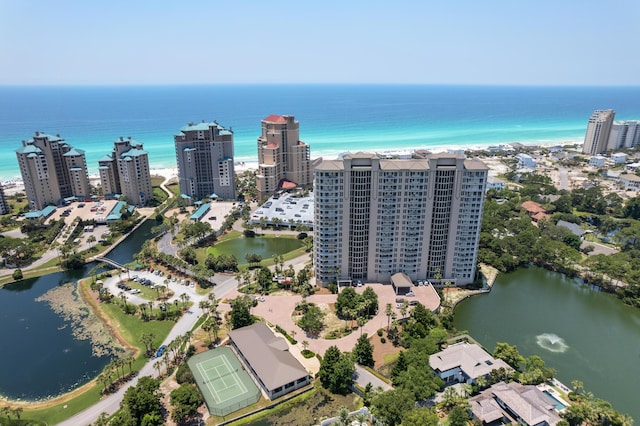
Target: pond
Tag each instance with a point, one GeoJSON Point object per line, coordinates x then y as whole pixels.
{"type": "Point", "coordinates": [265, 247]}
{"type": "Point", "coordinates": [47, 353]}
{"type": "Point", "coordinates": [41, 355]}
{"type": "Point", "coordinates": [583, 333]}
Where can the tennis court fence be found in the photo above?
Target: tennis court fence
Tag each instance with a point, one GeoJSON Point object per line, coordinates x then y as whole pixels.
{"type": "Point", "coordinates": [223, 410]}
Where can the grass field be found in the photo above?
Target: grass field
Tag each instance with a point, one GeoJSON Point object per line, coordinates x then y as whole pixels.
{"type": "Point", "coordinates": [130, 328]}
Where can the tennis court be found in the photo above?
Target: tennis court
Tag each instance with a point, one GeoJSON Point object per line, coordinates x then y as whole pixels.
{"type": "Point", "coordinates": [224, 384]}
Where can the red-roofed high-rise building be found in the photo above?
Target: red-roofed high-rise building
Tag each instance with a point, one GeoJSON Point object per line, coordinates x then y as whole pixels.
{"type": "Point", "coordinates": [284, 160]}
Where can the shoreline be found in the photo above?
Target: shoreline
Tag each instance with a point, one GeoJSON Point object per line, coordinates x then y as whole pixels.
{"type": "Point", "coordinates": [84, 291]}
{"type": "Point", "coordinates": [243, 163]}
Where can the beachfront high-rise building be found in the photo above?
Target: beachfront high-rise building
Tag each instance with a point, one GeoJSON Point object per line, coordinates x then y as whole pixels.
{"type": "Point", "coordinates": [624, 134]}
{"type": "Point", "coordinates": [283, 159]}
{"type": "Point", "coordinates": [596, 138]}
{"type": "Point", "coordinates": [52, 170]}
{"type": "Point", "coordinates": [126, 172]}
{"type": "Point", "coordinates": [4, 206]}
{"type": "Point", "coordinates": [376, 217]}
{"type": "Point", "coordinates": [204, 154]}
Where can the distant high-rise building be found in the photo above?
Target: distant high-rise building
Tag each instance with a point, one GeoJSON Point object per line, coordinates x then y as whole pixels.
{"type": "Point", "coordinates": [377, 217]}
{"type": "Point", "coordinates": [624, 134]}
{"type": "Point", "coordinates": [52, 170]}
{"type": "Point", "coordinates": [204, 153]}
{"type": "Point", "coordinates": [284, 160]}
{"type": "Point", "coordinates": [4, 206]}
{"type": "Point", "coordinates": [598, 129]}
{"type": "Point", "coordinates": [126, 172]}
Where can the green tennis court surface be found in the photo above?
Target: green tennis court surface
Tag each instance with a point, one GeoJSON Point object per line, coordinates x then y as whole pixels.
{"type": "Point", "coordinates": [224, 384]}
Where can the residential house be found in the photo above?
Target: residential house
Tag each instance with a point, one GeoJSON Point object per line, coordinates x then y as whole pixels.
{"type": "Point", "coordinates": [464, 363]}
{"type": "Point", "coordinates": [597, 161]}
{"type": "Point", "coordinates": [525, 161]}
{"type": "Point", "coordinates": [505, 403]}
{"type": "Point", "coordinates": [535, 211]}
{"type": "Point", "coordinates": [630, 182]}
{"type": "Point", "coordinates": [619, 158]}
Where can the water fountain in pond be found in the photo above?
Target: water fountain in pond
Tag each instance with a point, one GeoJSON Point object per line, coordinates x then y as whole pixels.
{"type": "Point", "coordinates": [551, 342]}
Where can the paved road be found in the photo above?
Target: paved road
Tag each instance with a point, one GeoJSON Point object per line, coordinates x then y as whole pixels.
{"type": "Point", "coordinates": [110, 404]}
{"type": "Point", "coordinates": [564, 180]}
{"type": "Point", "coordinates": [363, 377]}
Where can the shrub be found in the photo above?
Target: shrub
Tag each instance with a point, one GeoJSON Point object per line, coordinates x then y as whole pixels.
{"type": "Point", "coordinates": [302, 235]}
{"type": "Point", "coordinates": [248, 233]}
{"type": "Point", "coordinates": [380, 332]}
{"type": "Point", "coordinates": [184, 375]}
{"type": "Point", "coordinates": [307, 353]}
{"type": "Point", "coordinates": [383, 340]}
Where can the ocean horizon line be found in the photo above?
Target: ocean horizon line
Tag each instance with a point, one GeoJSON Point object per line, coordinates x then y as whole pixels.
{"type": "Point", "coordinates": [308, 84]}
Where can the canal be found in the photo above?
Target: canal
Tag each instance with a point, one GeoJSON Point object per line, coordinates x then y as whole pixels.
{"type": "Point", "coordinates": [583, 333]}
{"type": "Point", "coordinates": [44, 353]}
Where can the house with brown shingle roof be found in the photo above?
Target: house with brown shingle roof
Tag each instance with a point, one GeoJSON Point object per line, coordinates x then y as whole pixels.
{"type": "Point", "coordinates": [269, 359]}
{"type": "Point", "coordinates": [514, 403]}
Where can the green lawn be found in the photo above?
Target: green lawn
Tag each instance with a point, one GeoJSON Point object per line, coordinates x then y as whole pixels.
{"type": "Point", "coordinates": [130, 327]}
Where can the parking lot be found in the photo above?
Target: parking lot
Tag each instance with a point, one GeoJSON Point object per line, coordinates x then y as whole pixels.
{"type": "Point", "coordinates": [290, 210]}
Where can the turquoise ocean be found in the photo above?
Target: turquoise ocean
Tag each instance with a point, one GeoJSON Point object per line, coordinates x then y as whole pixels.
{"type": "Point", "coordinates": [333, 118]}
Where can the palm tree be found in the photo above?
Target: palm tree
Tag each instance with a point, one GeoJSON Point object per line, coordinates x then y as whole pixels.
{"type": "Point", "coordinates": [150, 308]}
{"type": "Point", "coordinates": [305, 346]}
{"type": "Point", "coordinates": [18, 412]}
{"type": "Point", "coordinates": [207, 326]}
{"type": "Point", "coordinates": [123, 296]}
{"type": "Point", "coordinates": [388, 312]}
{"type": "Point", "coordinates": [129, 360]}
{"type": "Point", "coordinates": [404, 308]}
{"type": "Point", "coordinates": [157, 366]}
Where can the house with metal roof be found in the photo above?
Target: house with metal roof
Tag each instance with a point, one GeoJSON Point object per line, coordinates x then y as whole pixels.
{"type": "Point", "coordinates": [269, 360]}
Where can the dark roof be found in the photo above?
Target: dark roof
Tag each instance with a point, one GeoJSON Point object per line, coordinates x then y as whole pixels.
{"type": "Point", "coordinates": [268, 355]}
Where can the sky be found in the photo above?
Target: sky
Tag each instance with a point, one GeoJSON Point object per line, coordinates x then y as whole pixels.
{"type": "Point", "coordinates": [483, 42]}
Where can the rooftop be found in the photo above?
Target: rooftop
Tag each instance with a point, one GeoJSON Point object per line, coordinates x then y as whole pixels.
{"type": "Point", "coordinates": [470, 358]}
{"type": "Point", "coordinates": [268, 355]}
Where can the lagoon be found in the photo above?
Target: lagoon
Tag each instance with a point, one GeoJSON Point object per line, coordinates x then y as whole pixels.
{"type": "Point", "coordinates": [265, 247]}
{"type": "Point", "coordinates": [583, 333]}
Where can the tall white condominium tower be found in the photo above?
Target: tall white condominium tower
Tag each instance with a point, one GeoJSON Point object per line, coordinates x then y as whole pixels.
{"type": "Point", "coordinates": [204, 153]}
{"type": "Point", "coordinates": [376, 217]}
{"type": "Point", "coordinates": [284, 160]}
{"type": "Point", "coordinates": [624, 134]}
{"type": "Point", "coordinates": [598, 129]}
{"type": "Point", "coordinates": [52, 170]}
{"type": "Point", "coordinates": [126, 172]}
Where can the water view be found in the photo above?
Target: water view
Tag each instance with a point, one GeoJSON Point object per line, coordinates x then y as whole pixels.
{"type": "Point", "coordinates": [42, 355]}
{"type": "Point", "coordinates": [583, 333]}
{"type": "Point", "coordinates": [265, 247]}
{"type": "Point", "coordinates": [58, 347]}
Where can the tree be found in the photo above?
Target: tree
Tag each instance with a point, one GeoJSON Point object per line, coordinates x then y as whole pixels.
{"type": "Point", "coordinates": [17, 275]}
{"type": "Point", "coordinates": [311, 320]}
{"type": "Point", "coordinates": [391, 405]}
{"type": "Point", "coordinates": [185, 400]}
{"type": "Point", "coordinates": [147, 340]}
{"type": "Point", "coordinates": [420, 417]}
{"type": "Point", "coordinates": [143, 400]}
{"type": "Point", "coordinates": [458, 416]}
{"type": "Point", "coordinates": [336, 371]}
{"type": "Point", "coordinates": [241, 312]}
{"type": "Point", "coordinates": [363, 351]}
{"type": "Point", "coordinates": [388, 312]}
{"type": "Point", "coordinates": [508, 354]}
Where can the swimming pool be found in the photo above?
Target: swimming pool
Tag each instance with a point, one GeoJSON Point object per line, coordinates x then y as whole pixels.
{"type": "Point", "coordinates": [559, 405]}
